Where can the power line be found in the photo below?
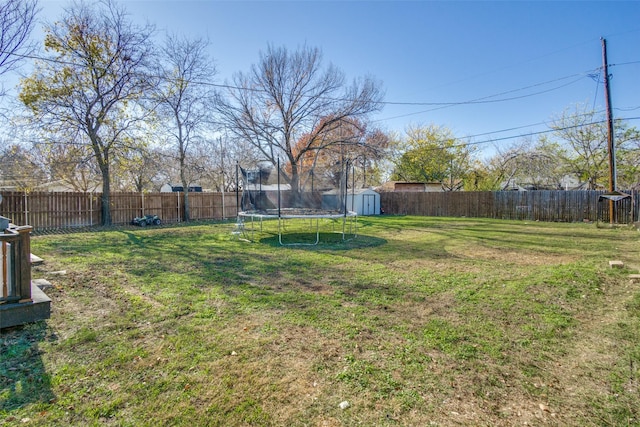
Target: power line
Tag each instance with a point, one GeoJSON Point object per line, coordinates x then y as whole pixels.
{"type": "Point", "coordinates": [439, 105]}
{"type": "Point", "coordinates": [482, 100]}
{"type": "Point", "coordinates": [625, 63]}
{"type": "Point", "coordinates": [477, 101]}
{"type": "Point", "coordinates": [627, 109]}
{"type": "Point", "coordinates": [537, 132]}
{"type": "Point", "coordinates": [524, 135]}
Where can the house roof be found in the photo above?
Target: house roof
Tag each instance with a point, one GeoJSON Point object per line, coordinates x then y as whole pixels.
{"type": "Point", "coordinates": [393, 185]}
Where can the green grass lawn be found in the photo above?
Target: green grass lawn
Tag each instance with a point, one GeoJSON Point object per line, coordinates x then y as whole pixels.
{"type": "Point", "coordinates": [416, 322]}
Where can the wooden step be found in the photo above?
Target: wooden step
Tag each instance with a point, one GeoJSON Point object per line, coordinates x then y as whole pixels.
{"type": "Point", "coordinates": [14, 314]}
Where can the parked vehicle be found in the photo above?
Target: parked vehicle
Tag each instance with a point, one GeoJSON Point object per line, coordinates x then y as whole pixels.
{"type": "Point", "coordinates": [145, 220]}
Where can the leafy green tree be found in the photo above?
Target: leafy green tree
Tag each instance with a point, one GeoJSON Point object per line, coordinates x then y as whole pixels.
{"type": "Point", "coordinates": [138, 170]}
{"type": "Point", "coordinates": [627, 156]}
{"type": "Point", "coordinates": [90, 80]}
{"type": "Point", "coordinates": [433, 154]}
{"type": "Point", "coordinates": [584, 134]}
{"type": "Point", "coordinates": [20, 168]}
{"type": "Point", "coordinates": [480, 178]}
{"type": "Point", "coordinates": [68, 161]}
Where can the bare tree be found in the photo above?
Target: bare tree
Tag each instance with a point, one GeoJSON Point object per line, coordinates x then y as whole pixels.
{"type": "Point", "coordinates": [185, 98]}
{"type": "Point", "coordinates": [88, 83]}
{"type": "Point", "coordinates": [500, 171]}
{"type": "Point", "coordinates": [17, 19]}
{"type": "Point", "coordinates": [224, 153]}
{"type": "Point", "coordinates": [526, 163]}
{"type": "Point", "coordinates": [288, 95]}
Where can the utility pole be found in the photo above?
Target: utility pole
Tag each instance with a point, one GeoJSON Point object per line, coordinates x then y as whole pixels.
{"type": "Point", "coordinates": [610, 142]}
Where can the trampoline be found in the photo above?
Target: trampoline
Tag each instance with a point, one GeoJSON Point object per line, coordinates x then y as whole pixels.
{"type": "Point", "coordinates": [263, 200]}
{"type": "Point", "coordinates": [348, 219]}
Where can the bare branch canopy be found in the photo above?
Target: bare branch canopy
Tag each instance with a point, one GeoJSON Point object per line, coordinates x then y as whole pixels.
{"type": "Point", "coordinates": [289, 97]}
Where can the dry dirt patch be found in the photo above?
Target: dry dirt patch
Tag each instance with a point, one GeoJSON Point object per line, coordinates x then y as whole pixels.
{"type": "Point", "coordinates": [506, 256]}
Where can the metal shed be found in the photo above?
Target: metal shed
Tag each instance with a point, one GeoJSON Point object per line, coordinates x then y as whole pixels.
{"type": "Point", "coordinates": [362, 201]}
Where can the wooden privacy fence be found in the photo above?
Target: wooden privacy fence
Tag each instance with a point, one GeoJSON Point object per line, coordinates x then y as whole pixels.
{"type": "Point", "coordinates": [567, 206]}
{"type": "Point", "coordinates": [58, 210]}
{"type": "Point", "coordinates": [52, 210]}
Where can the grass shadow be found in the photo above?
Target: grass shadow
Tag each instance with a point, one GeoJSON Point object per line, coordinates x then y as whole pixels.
{"type": "Point", "coordinates": [23, 376]}
{"type": "Point", "coordinates": [325, 241]}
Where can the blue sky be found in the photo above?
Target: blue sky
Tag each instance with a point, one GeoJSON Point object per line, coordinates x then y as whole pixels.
{"type": "Point", "coordinates": [430, 52]}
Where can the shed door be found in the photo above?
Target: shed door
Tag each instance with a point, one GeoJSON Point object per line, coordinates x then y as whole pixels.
{"type": "Point", "coordinates": [368, 204]}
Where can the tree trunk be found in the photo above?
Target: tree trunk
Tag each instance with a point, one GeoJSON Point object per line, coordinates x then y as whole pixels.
{"type": "Point", "coordinates": [106, 195]}
{"type": "Point", "coordinates": [185, 186]}
{"type": "Point", "coordinates": [187, 215]}
{"type": "Point", "coordinates": [296, 198]}
{"type": "Point", "coordinates": [102, 158]}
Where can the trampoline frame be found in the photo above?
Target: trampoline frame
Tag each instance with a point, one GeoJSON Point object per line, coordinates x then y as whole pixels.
{"type": "Point", "coordinates": [283, 214]}
{"type": "Point", "coordinates": [291, 213]}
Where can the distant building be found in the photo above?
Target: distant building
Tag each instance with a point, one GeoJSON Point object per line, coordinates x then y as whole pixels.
{"type": "Point", "coordinates": [267, 187]}
{"type": "Point", "coordinates": [8, 186]}
{"type": "Point", "coordinates": [174, 188]}
{"type": "Point", "coordinates": [61, 187]}
{"type": "Point", "coordinates": [417, 187]}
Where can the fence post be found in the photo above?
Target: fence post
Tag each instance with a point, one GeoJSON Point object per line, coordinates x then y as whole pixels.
{"type": "Point", "coordinates": [26, 209]}
{"type": "Point", "coordinates": [5, 270]}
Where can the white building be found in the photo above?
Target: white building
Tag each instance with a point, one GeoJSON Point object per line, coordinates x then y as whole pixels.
{"type": "Point", "coordinates": [362, 201]}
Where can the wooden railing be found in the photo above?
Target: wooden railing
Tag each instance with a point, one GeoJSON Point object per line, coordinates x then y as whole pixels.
{"type": "Point", "coordinates": [15, 283]}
